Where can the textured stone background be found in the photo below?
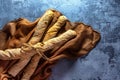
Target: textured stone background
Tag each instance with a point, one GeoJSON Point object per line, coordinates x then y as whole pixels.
{"type": "Point", "coordinates": [103, 62]}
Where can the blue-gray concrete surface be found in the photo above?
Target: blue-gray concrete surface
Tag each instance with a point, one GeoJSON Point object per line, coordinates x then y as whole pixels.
{"type": "Point", "coordinates": [103, 62]}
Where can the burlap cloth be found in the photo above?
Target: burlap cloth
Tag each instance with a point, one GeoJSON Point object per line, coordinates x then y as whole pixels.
{"type": "Point", "coordinates": [19, 31]}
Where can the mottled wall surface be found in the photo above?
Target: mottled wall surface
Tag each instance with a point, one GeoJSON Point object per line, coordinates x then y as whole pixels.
{"type": "Point", "coordinates": [103, 62]}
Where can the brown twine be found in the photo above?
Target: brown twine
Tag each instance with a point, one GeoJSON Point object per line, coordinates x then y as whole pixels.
{"type": "Point", "coordinates": [28, 47]}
